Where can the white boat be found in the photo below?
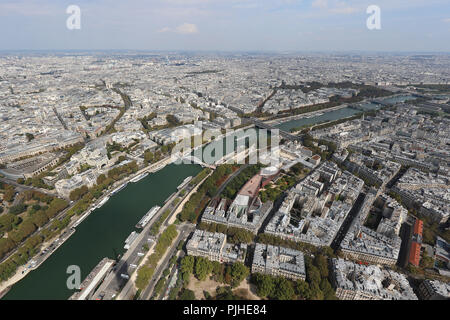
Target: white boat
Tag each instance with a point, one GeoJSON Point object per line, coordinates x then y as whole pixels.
{"type": "Point", "coordinates": [119, 188]}
{"type": "Point", "coordinates": [102, 202]}
{"type": "Point", "coordinates": [82, 218]}
{"type": "Point", "coordinates": [147, 217]}
{"type": "Point", "coordinates": [139, 178]}
{"type": "Point", "coordinates": [184, 183]}
{"type": "Point", "coordinates": [131, 238]}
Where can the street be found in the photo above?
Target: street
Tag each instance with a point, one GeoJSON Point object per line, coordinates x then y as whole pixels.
{"type": "Point", "coordinates": [186, 230]}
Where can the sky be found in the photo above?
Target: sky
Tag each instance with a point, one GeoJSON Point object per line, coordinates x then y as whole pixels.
{"type": "Point", "coordinates": [226, 25]}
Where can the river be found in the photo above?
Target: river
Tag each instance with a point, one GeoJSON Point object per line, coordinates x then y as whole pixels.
{"type": "Point", "coordinates": [101, 235]}
{"type": "Point", "coordinates": [338, 114]}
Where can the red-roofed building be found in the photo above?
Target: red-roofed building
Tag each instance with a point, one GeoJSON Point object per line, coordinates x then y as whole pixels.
{"type": "Point", "coordinates": [418, 227]}
{"type": "Point", "coordinates": [414, 254]}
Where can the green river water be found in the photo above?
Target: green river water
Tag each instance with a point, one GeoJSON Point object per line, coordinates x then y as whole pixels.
{"type": "Point", "coordinates": [102, 234]}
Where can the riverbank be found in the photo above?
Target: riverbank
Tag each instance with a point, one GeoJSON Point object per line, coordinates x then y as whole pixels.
{"type": "Point", "coordinates": [172, 218]}
{"type": "Point", "coordinates": [311, 127]}
{"type": "Point", "coordinates": [392, 99]}
{"type": "Point", "coordinates": [48, 248]}
{"type": "Point", "coordinates": [77, 222]}
{"type": "Point", "coordinates": [101, 234]}
{"type": "Point", "coordinates": [280, 121]}
{"type": "Point", "coordinates": [23, 270]}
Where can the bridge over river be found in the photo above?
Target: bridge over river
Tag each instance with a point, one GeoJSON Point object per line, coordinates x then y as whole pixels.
{"type": "Point", "coordinates": [283, 134]}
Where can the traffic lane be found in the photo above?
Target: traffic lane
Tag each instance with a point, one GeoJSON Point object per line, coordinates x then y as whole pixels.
{"type": "Point", "coordinates": [186, 230]}
{"type": "Point", "coordinates": [125, 267]}
{"type": "Point", "coordinates": [175, 267]}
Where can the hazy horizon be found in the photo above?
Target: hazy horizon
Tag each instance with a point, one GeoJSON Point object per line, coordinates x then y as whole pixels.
{"type": "Point", "coordinates": [193, 51]}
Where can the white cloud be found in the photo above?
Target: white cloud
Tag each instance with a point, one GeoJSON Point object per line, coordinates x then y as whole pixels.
{"type": "Point", "coordinates": [185, 28]}
{"type": "Point", "coordinates": [165, 29]}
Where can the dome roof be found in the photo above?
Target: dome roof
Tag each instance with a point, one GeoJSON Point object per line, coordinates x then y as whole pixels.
{"type": "Point", "coordinates": [269, 171]}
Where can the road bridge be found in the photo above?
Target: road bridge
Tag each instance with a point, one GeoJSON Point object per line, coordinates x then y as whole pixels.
{"type": "Point", "coordinates": [283, 134]}
{"type": "Point", "coordinates": [193, 159]}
